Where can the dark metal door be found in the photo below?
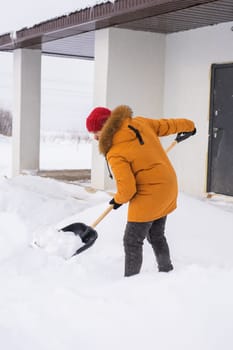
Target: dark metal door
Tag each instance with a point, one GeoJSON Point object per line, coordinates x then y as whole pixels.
{"type": "Point", "coordinates": [220, 155]}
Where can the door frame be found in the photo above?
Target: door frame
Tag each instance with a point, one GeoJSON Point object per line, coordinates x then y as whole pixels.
{"type": "Point", "coordinates": [214, 66]}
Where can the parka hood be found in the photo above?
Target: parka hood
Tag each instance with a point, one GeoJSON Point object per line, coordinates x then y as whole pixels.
{"type": "Point", "coordinates": [112, 125]}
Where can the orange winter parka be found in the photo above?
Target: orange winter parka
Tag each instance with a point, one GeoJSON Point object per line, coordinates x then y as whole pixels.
{"type": "Point", "coordinates": [143, 173]}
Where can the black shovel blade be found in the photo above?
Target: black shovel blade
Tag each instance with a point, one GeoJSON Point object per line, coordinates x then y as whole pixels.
{"type": "Point", "coordinates": [87, 234]}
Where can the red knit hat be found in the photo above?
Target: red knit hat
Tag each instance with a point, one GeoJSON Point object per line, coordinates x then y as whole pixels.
{"type": "Point", "coordinates": [97, 118]}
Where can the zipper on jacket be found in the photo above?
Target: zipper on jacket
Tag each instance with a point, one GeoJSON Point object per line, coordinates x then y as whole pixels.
{"type": "Point", "coordinates": [109, 171]}
{"type": "Point", "coordinates": [138, 135]}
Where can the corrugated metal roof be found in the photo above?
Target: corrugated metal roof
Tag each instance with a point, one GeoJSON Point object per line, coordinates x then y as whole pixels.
{"type": "Point", "coordinates": [186, 19]}
{"type": "Point", "coordinates": [73, 34]}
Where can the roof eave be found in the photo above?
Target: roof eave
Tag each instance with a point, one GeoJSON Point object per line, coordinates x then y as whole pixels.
{"type": "Point", "coordinates": [92, 18]}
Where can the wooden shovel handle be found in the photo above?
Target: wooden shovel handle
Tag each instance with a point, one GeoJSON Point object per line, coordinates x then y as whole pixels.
{"type": "Point", "coordinates": [102, 216]}
{"type": "Point", "coordinates": [171, 146]}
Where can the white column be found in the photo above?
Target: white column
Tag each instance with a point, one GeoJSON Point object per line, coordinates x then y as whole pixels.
{"type": "Point", "coordinates": [26, 111]}
{"type": "Point", "coordinates": [99, 174]}
{"type": "Point", "coordinates": [129, 69]}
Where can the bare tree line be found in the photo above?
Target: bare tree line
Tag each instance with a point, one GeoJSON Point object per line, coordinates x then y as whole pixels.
{"type": "Point", "coordinates": [5, 122]}
{"type": "Point", "coordinates": [6, 130]}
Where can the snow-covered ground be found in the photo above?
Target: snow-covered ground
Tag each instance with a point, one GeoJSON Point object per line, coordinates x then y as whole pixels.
{"type": "Point", "coordinates": [54, 154]}
{"type": "Point", "coordinates": [50, 302]}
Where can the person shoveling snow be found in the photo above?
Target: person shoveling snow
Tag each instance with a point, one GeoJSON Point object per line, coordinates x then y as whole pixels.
{"type": "Point", "coordinates": [144, 177]}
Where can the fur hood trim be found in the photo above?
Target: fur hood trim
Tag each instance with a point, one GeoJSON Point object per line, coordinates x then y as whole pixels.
{"type": "Point", "coordinates": [112, 125]}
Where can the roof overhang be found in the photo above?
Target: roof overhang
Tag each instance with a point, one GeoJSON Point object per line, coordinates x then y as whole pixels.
{"type": "Point", "coordinates": [73, 34]}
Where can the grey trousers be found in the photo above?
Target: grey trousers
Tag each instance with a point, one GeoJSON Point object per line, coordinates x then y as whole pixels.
{"type": "Point", "coordinates": [135, 234]}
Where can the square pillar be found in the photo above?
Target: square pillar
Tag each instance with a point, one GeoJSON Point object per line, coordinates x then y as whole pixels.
{"type": "Point", "coordinates": [99, 173]}
{"type": "Point", "coordinates": [26, 110]}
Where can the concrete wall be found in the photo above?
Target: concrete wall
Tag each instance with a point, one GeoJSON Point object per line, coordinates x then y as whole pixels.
{"type": "Point", "coordinates": [189, 56]}
{"type": "Point", "coordinates": [136, 71]}
{"type": "Point", "coordinates": [129, 69]}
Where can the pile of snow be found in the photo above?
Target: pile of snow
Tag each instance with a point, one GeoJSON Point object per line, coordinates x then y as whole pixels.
{"type": "Point", "coordinates": [48, 301]}
{"type": "Point", "coordinates": [10, 243]}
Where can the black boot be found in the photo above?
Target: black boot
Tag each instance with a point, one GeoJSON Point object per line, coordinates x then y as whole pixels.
{"type": "Point", "coordinates": [166, 268]}
{"type": "Point", "coordinates": [162, 255]}
{"type": "Point", "coordinates": [133, 262]}
{"type": "Point", "coordinates": [164, 263]}
{"type": "Point", "coordinates": [159, 244]}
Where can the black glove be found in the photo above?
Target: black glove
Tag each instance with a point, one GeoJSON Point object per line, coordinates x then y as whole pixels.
{"type": "Point", "coordinates": [194, 131]}
{"type": "Point", "coordinates": [115, 205]}
{"type": "Point", "coordinates": [181, 136]}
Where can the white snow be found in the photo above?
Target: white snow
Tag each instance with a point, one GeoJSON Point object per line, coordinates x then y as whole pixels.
{"type": "Point", "coordinates": [72, 155]}
{"type": "Point", "coordinates": [50, 302]}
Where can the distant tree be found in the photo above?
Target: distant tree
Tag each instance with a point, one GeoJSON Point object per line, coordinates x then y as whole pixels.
{"type": "Point", "coordinates": [5, 122]}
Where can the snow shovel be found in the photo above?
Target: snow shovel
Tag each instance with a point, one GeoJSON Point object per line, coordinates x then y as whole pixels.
{"type": "Point", "coordinates": [87, 233]}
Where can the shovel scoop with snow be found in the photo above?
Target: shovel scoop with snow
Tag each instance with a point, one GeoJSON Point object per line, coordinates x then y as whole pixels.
{"type": "Point", "coordinates": [87, 234]}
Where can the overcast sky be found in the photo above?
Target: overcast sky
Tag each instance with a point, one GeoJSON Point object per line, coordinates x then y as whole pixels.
{"type": "Point", "coordinates": [61, 95]}
{"type": "Point", "coordinates": [16, 14]}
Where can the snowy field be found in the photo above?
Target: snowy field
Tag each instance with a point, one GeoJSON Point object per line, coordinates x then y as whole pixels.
{"type": "Point", "coordinates": [54, 154]}
{"type": "Point", "coordinates": [49, 302]}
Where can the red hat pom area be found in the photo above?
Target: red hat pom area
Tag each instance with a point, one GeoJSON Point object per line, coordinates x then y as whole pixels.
{"type": "Point", "coordinates": [97, 118]}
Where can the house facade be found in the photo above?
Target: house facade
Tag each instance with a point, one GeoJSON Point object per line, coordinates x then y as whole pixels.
{"type": "Point", "coordinates": [165, 59]}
